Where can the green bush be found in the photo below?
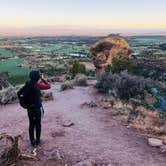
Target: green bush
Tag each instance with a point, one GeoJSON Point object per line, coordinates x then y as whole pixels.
{"type": "Point", "coordinates": [80, 80]}
{"type": "Point", "coordinates": [157, 103]}
{"type": "Point", "coordinates": [76, 68]}
{"type": "Point", "coordinates": [82, 68]}
{"type": "Point", "coordinates": [52, 70]}
{"type": "Point", "coordinates": [67, 85]}
{"type": "Point", "coordinates": [68, 77]}
{"type": "Point", "coordinates": [18, 79]}
{"type": "Point", "coordinates": [121, 63]}
{"type": "Point", "coordinates": [107, 69]}
{"type": "Point", "coordinates": [90, 72]}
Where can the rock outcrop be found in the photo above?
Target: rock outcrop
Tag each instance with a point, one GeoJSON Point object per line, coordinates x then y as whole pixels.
{"type": "Point", "coordinates": [7, 91]}
{"type": "Point", "coordinates": [8, 95]}
{"type": "Point", "coordinates": [155, 142]}
{"type": "Point", "coordinates": [106, 49]}
{"type": "Point", "coordinates": [3, 80]}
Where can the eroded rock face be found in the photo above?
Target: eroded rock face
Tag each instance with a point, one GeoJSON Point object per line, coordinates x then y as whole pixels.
{"type": "Point", "coordinates": [8, 95]}
{"type": "Point", "coordinates": [106, 49]}
{"type": "Point", "coordinates": [3, 80]}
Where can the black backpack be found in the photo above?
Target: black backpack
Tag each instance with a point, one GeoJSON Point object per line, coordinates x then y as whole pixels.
{"type": "Point", "coordinates": [24, 96]}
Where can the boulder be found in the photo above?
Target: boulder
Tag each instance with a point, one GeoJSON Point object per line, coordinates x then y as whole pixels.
{"type": "Point", "coordinates": [163, 148]}
{"type": "Point", "coordinates": [47, 96]}
{"type": "Point", "coordinates": [106, 49]}
{"type": "Point", "coordinates": [4, 80]}
{"type": "Point", "coordinates": [155, 142]}
{"type": "Point", "coordinates": [8, 95]}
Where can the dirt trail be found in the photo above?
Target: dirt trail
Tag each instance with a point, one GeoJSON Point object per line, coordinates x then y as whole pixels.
{"type": "Point", "coordinates": [94, 135]}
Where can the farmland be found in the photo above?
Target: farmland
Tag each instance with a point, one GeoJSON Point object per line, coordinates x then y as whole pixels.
{"type": "Point", "coordinates": [24, 53]}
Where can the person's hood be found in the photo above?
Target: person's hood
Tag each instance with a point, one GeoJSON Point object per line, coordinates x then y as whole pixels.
{"type": "Point", "coordinates": [34, 75]}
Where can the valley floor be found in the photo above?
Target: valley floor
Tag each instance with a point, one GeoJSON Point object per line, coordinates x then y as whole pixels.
{"type": "Point", "coordinates": [94, 135]}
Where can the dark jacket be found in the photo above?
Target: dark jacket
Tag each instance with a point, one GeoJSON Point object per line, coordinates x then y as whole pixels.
{"type": "Point", "coordinates": [35, 87]}
{"type": "Point", "coordinates": [35, 93]}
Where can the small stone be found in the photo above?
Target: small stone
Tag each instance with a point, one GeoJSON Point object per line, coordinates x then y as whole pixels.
{"type": "Point", "coordinates": [47, 96]}
{"type": "Point", "coordinates": [155, 142]}
{"type": "Point", "coordinates": [128, 127]}
{"type": "Point", "coordinates": [68, 124]}
{"type": "Point", "coordinates": [163, 148]}
{"type": "Point", "coordinates": [88, 162]}
{"type": "Point", "coordinates": [118, 105]}
{"type": "Point", "coordinates": [106, 105]}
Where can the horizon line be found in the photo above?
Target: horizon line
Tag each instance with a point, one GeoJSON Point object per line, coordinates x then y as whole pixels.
{"type": "Point", "coordinates": [77, 34]}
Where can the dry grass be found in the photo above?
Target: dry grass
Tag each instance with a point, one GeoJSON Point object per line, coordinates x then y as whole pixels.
{"type": "Point", "coordinates": [141, 119]}
{"type": "Point", "coordinates": [149, 129]}
{"type": "Point", "coordinates": [148, 121]}
{"type": "Point", "coordinates": [12, 154]}
{"type": "Point", "coordinates": [148, 117]}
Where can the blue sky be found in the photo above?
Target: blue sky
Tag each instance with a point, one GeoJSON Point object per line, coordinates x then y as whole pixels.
{"type": "Point", "coordinates": [46, 15]}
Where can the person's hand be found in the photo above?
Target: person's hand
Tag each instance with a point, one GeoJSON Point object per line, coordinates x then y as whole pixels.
{"type": "Point", "coordinates": [42, 77]}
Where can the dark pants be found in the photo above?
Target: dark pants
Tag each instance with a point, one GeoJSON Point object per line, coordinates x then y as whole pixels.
{"type": "Point", "coordinates": [35, 123]}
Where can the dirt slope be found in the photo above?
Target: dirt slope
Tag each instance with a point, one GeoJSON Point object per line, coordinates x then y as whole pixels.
{"type": "Point", "coordinates": [94, 135]}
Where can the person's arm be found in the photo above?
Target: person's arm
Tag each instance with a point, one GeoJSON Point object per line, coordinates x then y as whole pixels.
{"type": "Point", "coordinates": [44, 85]}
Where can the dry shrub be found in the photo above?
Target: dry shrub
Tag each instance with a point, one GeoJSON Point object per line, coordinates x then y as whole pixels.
{"type": "Point", "coordinates": [148, 120]}
{"type": "Point", "coordinates": [80, 80]}
{"type": "Point", "coordinates": [8, 95]}
{"type": "Point", "coordinates": [149, 129]}
{"type": "Point", "coordinates": [67, 85]}
{"type": "Point", "coordinates": [90, 104]}
{"type": "Point", "coordinates": [139, 118]}
{"type": "Point", "coordinates": [47, 96]}
{"type": "Point", "coordinates": [149, 117]}
{"type": "Point", "coordinates": [10, 153]}
{"type": "Point", "coordinates": [124, 85]}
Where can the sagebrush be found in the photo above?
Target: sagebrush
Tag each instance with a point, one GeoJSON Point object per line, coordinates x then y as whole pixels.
{"type": "Point", "coordinates": [124, 85]}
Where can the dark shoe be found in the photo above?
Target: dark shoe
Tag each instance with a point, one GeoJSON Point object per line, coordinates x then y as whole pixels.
{"type": "Point", "coordinates": [33, 143]}
{"type": "Point", "coordinates": [38, 142]}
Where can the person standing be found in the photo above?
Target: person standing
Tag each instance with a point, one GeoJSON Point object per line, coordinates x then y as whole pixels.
{"type": "Point", "coordinates": [35, 110]}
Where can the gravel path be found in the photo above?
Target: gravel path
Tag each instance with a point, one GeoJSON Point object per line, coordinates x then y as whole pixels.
{"type": "Point", "coordinates": [94, 135]}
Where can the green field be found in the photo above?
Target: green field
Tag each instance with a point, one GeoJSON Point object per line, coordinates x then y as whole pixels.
{"type": "Point", "coordinates": [17, 75]}
{"type": "Point", "coordinates": [61, 49]}
{"type": "Point", "coordinates": [5, 52]}
{"type": "Point", "coordinates": [12, 66]}
{"type": "Point", "coordinates": [66, 48]}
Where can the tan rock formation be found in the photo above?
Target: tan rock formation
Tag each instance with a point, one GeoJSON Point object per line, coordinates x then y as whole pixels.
{"type": "Point", "coordinates": [3, 80]}
{"type": "Point", "coordinates": [106, 49]}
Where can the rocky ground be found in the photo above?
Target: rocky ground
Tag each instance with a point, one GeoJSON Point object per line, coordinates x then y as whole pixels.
{"type": "Point", "coordinates": [73, 132]}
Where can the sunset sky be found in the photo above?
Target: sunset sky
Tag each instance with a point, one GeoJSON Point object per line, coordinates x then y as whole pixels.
{"type": "Point", "coordinates": [82, 16]}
